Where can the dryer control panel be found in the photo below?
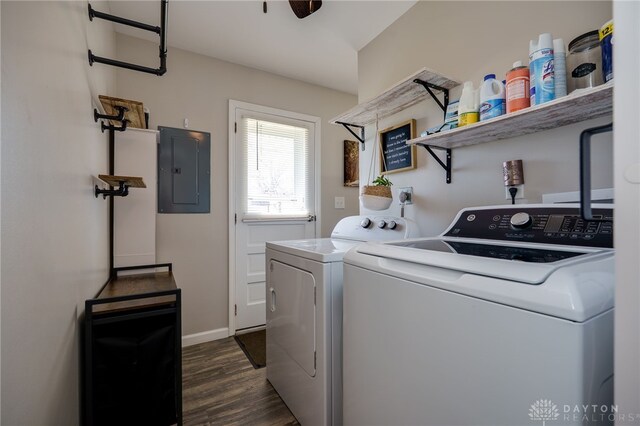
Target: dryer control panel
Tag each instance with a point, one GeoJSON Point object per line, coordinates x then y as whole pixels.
{"type": "Point", "coordinates": [549, 225]}
{"type": "Point", "coordinates": [375, 228]}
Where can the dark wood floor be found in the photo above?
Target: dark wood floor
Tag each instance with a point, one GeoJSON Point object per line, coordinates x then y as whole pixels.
{"type": "Point", "coordinates": [221, 387]}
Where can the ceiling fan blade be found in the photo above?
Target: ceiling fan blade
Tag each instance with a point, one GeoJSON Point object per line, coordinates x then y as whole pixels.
{"type": "Point", "coordinates": [304, 8]}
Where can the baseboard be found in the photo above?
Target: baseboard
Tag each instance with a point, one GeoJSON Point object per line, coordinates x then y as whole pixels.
{"type": "Point", "coordinates": [205, 336]}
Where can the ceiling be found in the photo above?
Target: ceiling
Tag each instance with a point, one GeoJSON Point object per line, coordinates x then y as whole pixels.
{"type": "Point", "coordinates": [320, 49]}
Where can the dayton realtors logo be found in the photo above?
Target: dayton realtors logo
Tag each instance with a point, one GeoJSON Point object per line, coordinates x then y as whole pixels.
{"type": "Point", "coordinates": [543, 410]}
{"type": "Point", "coordinates": [596, 414]}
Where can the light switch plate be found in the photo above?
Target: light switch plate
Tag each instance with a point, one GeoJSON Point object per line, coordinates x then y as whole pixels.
{"type": "Point", "coordinates": [339, 203]}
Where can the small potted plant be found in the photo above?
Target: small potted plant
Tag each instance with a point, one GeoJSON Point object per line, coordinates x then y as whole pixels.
{"type": "Point", "coordinates": [377, 196]}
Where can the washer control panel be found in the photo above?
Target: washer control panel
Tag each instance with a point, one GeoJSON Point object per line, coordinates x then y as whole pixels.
{"type": "Point", "coordinates": [548, 225]}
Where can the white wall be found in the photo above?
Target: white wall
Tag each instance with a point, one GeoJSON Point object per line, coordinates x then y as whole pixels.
{"type": "Point", "coordinates": [54, 231]}
{"type": "Point", "coordinates": [465, 41]}
{"type": "Point", "coordinates": [199, 88]}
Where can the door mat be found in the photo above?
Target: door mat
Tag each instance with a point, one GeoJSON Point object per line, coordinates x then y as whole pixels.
{"type": "Point", "coordinates": [254, 346]}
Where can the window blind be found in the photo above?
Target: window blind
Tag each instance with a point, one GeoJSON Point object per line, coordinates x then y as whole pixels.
{"type": "Point", "coordinates": [277, 180]}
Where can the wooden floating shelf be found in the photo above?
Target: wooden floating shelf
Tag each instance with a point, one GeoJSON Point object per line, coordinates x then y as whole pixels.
{"type": "Point", "coordinates": [398, 97]}
{"type": "Point", "coordinates": [580, 105]}
{"type": "Point", "coordinates": [130, 181]}
{"type": "Point", "coordinates": [134, 114]}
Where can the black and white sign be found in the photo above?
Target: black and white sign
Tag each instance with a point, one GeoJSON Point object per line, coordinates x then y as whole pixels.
{"type": "Point", "coordinates": [395, 154]}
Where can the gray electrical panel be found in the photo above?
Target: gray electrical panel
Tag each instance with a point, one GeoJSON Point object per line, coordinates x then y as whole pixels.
{"type": "Point", "coordinates": [184, 170]}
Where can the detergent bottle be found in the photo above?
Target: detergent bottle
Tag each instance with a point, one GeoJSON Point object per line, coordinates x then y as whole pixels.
{"type": "Point", "coordinates": [469, 105]}
{"type": "Point", "coordinates": [492, 98]}
{"type": "Point", "coordinates": [517, 88]}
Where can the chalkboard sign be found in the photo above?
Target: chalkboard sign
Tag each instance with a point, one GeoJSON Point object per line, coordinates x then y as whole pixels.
{"type": "Point", "coordinates": [395, 154]}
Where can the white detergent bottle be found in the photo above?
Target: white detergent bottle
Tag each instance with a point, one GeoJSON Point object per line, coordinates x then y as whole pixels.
{"type": "Point", "coordinates": [542, 85]}
{"type": "Point", "coordinates": [468, 105]}
{"type": "Point", "coordinates": [492, 98]}
{"type": "Point", "coordinates": [559, 68]}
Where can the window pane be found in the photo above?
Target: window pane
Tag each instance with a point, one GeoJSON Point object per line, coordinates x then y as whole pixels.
{"type": "Point", "coordinates": [276, 160]}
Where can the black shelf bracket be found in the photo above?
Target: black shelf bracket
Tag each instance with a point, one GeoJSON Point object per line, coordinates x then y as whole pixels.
{"type": "Point", "coordinates": [161, 31]}
{"type": "Point", "coordinates": [122, 128]}
{"type": "Point", "coordinates": [119, 117]}
{"type": "Point", "coordinates": [349, 128]}
{"type": "Point", "coordinates": [446, 165]}
{"type": "Point", "coordinates": [121, 191]}
{"type": "Point", "coordinates": [429, 86]}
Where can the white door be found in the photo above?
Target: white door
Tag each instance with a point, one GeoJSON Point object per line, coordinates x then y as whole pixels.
{"type": "Point", "coordinates": [273, 196]}
{"type": "Point", "coordinates": [626, 138]}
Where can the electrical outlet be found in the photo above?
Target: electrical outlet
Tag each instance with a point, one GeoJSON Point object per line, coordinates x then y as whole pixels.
{"type": "Point", "coordinates": [409, 191]}
{"type": "Point", "coordinates": [339, 202]}
{"type": "Point", "coordinates": [519, 194]}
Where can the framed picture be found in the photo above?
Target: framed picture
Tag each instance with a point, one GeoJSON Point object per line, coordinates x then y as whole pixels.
{"type": "Point", "coordinates": [351, 164]}
{"type": "Point", "coordinates": [395, 154]}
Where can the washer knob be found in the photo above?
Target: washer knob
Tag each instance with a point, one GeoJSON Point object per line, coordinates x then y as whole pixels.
{"type": "Point", "coordinates": [382, 224]}
{"type": "Point", "coordinates": [521, 220]}
{"type": "Point", "coordinates": [365, 222]}
{"type": "Point", "coordinates": [392, 224]}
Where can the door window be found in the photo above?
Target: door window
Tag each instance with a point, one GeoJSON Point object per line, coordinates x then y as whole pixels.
{"type": "Point", "coordinates": [277, 178]}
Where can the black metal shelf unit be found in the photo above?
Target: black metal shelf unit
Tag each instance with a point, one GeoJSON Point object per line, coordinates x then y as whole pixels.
{"type": "Point", "coordinates": [132, 358]}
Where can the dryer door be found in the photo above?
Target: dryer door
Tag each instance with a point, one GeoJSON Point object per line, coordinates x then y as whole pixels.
{"type": "Point", "coordinates": [292, 313]}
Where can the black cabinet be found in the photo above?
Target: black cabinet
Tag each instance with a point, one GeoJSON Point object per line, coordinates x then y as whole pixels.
{"type": "Point", "coordinates": [132, 352]}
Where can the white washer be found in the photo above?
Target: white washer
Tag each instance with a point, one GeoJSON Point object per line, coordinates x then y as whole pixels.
{"type": "Point", "coordinates": [510, 309]}
{"type": "Point", "coordinates": [304, 314]}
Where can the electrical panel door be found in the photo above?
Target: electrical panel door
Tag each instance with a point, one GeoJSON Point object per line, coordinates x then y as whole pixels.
{"type": "Point", "coordinates": [184, 159]}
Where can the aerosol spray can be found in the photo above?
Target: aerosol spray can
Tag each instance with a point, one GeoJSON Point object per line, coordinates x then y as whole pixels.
{"type": "Point", "coordinates": [541, 70]}
{"type": "Point", "coordinates": [559, 68]}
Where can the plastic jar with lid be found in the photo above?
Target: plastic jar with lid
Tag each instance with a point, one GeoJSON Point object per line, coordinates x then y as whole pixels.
{"type": "Point", "coordinates": [584, 62]}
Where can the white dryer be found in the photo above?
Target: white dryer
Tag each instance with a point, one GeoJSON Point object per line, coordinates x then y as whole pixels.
{"type": "Point", "coordinates": [505, 319]}
{"type": "Point", "coordinates": [304, 314]}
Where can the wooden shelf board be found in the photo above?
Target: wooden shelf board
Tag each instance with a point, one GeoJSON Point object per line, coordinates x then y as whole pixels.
{"type": "Point", "coordinates": [398, 97]}
{"type": "Point", "coordinates": [136, 284]}
{"type": "Point", "coordinates": [578, 106]}
{"type": "Point", "coordinates": [130, 181]}
{"type": "Point", "coordinates": [134, 115]}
